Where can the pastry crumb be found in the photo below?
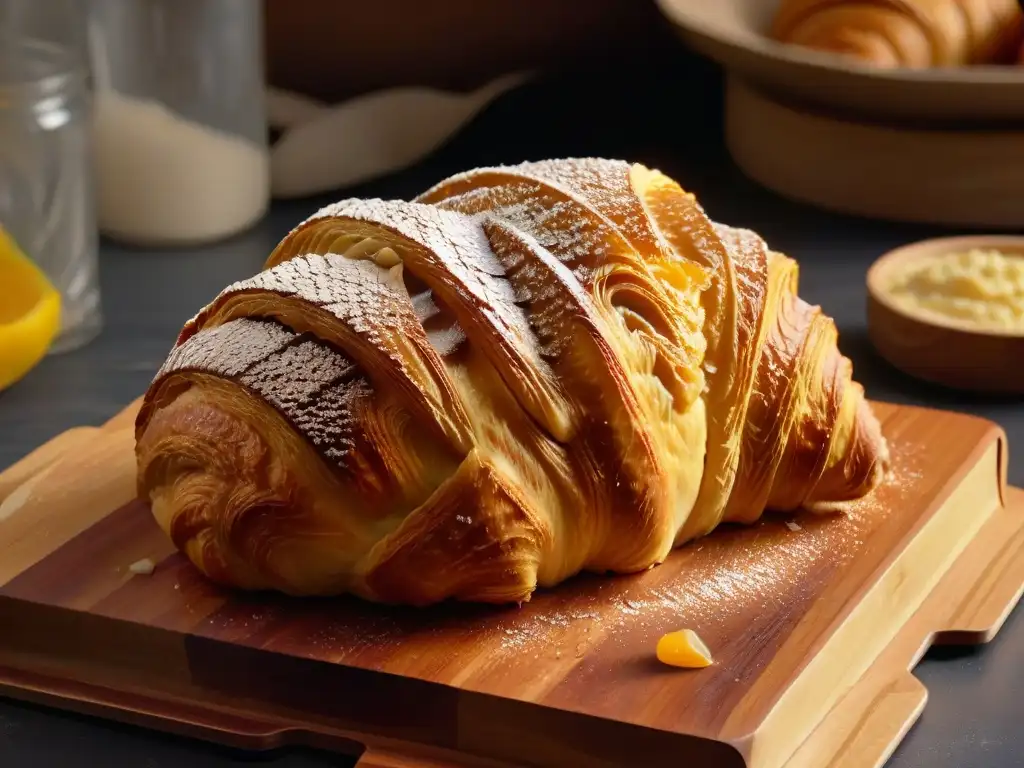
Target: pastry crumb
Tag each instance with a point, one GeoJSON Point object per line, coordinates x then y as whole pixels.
{"type": "Point", "coordinates": [793, 526]}
{"type": "Point", "coordinates": [143, 567]}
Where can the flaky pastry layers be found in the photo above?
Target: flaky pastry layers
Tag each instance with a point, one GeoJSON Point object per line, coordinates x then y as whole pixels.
{"type": "Point", "coordinates": [903, 33]}
{"type": "Point", "coordinates": [526, 372]}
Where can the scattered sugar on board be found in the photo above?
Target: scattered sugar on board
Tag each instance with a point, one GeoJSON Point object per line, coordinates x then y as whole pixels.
{"type": "Point", "coordinates": [723, 582]}
{"type": "Point", "coordinates": [543, 626]}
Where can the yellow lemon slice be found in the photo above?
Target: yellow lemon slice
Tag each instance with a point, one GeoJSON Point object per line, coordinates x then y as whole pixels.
{"type": "Point", "coordinates": [29, 312]}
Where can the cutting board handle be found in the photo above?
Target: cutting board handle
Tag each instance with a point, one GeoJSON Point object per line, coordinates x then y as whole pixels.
{"type": "Point", "coordinates": [42, 457]}
{"type": "Point", "coordinates": [996, 571]}
{"type": "Point", "coordinates": [967, 607]}
{"type": "Point", "coordinates": [50, 452]}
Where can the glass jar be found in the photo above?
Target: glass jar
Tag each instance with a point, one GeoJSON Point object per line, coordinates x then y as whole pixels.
{"type": "Point", "coordinates": [51, 21]}
{"type": "Point", "coordinates": [180, 131]}
{"type": "Point", "coordinates": [47, 201]}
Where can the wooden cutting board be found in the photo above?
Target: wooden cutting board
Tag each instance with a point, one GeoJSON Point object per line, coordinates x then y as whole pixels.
{"type": "Point", "coordinates": [814, 624]}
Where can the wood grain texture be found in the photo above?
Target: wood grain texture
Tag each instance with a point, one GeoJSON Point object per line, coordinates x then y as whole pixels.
{"type": "Point", "coordinates": [970, 604]}
{"type": "Point", "coordinates": [887, 171]}
{"type": "Point", "coordinates": [821, 616]}
{"type": "Point", "coordinates": [66, 443]}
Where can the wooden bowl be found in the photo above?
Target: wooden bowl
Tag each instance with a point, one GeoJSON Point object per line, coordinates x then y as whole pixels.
{"type": "Point", "coordinates": [733, 33]}
{"type": "Point", "coordinates": [933, 347]}
{"type": "Point", "coordinates": [943, 145]}
{"type": "Point", "coordinates": [966, 178]}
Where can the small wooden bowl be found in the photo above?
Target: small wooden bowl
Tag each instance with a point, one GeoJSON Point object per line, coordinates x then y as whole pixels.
{"type": "Point", "coordinates": [935, 348]}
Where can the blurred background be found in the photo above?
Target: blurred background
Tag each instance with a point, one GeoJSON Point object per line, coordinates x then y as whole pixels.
{"type": "Point", "coordinates": [134, 128]}
{"type": "Point", "coordinates": [333, 51]}
{"type": "Point", "coordinates": [156, 124]}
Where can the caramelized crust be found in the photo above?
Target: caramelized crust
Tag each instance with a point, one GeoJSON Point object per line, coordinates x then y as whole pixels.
{"type": "Point", "coordinates": [525, 373]}
{"type": "Point", "coordinates": [903, 33]}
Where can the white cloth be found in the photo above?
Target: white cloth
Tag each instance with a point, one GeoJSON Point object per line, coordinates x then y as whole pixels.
{"type": "Point", "coordinates": [325, 148]}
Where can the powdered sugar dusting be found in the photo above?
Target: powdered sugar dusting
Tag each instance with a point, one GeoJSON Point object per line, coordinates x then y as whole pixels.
{"type": "Point", "coordinates": [603, 183]}
{"type": "Point", "coordinates": [457, 248]}
{"type": "Point", "coordinates": [578, 236]}
{"type": "Point", "coordinates": [555, 299]}
{"type": "Point", "coordinates": [719, 578]}
{"type": "Point", "coordinates": [518, 635]}
{"type": "Point", "coordinates": [599, 183]}
{"type": "Point", "coordinates": [463, 270]}
{"type": "Point", "coordinates": [317, 390]}
{"type": "Point", "coordinates": [311, 384]}
{"type": "Point", "coordinates": [376, 322]}
{"type": "Point", "coordinates": [369, 299]}
{"type": "Point", "coordinates": [228, 350]}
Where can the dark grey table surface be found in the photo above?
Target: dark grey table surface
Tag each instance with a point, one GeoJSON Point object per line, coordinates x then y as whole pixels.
{"type": "Point", "coordinates": [974, 717]}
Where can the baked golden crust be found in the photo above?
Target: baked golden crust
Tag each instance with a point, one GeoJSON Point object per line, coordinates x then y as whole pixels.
{"type": "Point", "coordinates": [524, 373]}
{"type": "Point", "coordinates": [903, 33]}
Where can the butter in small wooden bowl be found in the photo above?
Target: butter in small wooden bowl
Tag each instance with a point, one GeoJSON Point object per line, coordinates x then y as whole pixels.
{"type": "Point", "coordinates": [951, 311]}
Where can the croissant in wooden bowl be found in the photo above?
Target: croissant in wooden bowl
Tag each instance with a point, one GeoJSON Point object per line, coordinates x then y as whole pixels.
{"type": "Point", "coordinates": [527, 372]}
{"type": "Point", "coordinates": [904, 33]}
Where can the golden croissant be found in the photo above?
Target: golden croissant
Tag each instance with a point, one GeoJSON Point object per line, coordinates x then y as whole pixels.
{"type": "Point", "coordinates": [903, 33]}
{"type": "Point", "coordinates": [527, 372]}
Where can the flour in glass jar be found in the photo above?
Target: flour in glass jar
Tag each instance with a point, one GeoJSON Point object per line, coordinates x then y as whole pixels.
{"type": "Point", "coordinates": [163, 179]}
